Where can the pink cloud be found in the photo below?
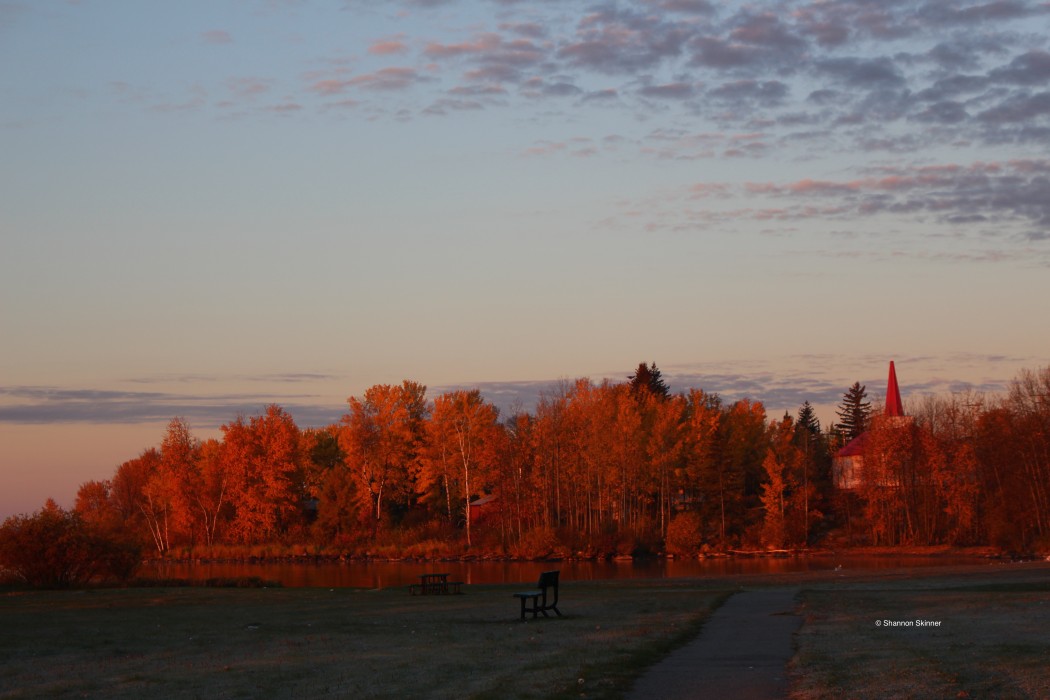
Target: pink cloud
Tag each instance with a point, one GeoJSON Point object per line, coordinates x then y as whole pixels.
{"type": "Point", "coordinates": [808, 186]}
{"type": "Point", "coordinates": [394, 78]}
{"type": "Point", "coordinates": [709, 189]}
{"type": "Point", "coordinates": [247, 87]}
{"type": "Point", "coordinates": [216, 37]}
{"type": "Point", "coordinates": [387, 79]}
{"type": "Point", "coordinates": [483, 43]}
{"type": "Point", "coordinates": [545, 148]}
{"type": "Point", "coordinates": [386, 47]}
{"type": "Point", "coordinates": [330, 87]}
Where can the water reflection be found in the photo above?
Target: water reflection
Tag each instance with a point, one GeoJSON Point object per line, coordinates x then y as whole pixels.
{"type": "Point", "coordinates": [393, 574]}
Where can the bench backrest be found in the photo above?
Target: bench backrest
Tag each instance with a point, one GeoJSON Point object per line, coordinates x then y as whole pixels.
{"type": "Point", "coordinates": [549, 579]}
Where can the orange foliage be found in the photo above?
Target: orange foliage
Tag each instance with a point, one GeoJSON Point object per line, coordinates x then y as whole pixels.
{"type": "Point", "coordinates": [381, 437]}
{"type": "Point", "coordinates": [596, 469]}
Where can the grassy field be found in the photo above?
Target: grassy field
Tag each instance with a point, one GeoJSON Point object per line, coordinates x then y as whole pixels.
{"type": "Point", "coordinates": [309, 643]}
{"type": "Point", "coordinates": [992, 640]}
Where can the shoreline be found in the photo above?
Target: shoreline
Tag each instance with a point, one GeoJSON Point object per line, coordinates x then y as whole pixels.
{"type": "Point", "coordinates": [932, 551]}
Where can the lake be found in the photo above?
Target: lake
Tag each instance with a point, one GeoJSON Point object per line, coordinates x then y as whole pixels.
{"type": "Point", "coordinates": [384, 574]}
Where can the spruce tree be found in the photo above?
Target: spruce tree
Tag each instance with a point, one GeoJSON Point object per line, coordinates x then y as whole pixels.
{"type": "Point", "coordinates": [807, 419]}
{"type": "Point", "coordinates": [854, 412]}
{"type": "Point", "coordinates": [648, 378]}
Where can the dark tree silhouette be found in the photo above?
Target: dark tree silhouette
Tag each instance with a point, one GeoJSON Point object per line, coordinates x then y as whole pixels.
{"type": "Point", "coordinates": [648, 378]}
{"type": "Point", "coordinates": [854, 412]}
{"type": "Point", "coordinates": [807, 419]}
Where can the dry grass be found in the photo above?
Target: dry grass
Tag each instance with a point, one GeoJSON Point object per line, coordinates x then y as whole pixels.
{"type": "Point", "coordinates": [993, 639]}
{"type": "Point", "coordinates": [196, 642]}
{"type": "Point", "coordinates": [303, 642]}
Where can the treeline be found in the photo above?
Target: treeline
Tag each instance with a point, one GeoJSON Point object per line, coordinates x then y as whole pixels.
{"type": "Point", "coordinates": [594, 470]}
{"type": "Point", "coordinates": [962, 470]}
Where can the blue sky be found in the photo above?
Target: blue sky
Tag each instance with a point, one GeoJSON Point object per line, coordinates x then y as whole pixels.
{"type": "Point", "coordinates": [210, 206]}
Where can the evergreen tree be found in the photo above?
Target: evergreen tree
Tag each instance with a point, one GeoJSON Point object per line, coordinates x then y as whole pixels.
{"type": "Point", "coordinates": [648, 378]}
{"type": "Point", "coordinates": [815, 467]}
{"type": "Point", "coordinates": [807, 419]}
{"type": "Point", "coordinates": [854, 412]}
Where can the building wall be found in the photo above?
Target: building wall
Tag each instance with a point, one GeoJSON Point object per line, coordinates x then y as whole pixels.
{"type": "Point", "coordinates": [845, 471]}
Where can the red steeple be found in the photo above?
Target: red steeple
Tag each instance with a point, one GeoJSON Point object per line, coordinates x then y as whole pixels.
{"type": "Point", "coordinates": [894, 407]}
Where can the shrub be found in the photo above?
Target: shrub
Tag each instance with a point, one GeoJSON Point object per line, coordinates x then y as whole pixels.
{"type": "Point", "coordinates": [118, 558]}
{"type": "Point", "coordinates": [684, 535]}
{"type": "Point", "coordinates": [429, 549]}
{"type": "Point", "coordinates": [638, 541]}
{"type": "Point", "coordinates": [54, 548]}
{"type": "Point", "coordinates": [538, 543]}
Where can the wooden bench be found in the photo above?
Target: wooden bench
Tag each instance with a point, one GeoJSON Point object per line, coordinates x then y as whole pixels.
{"type": "Point", "coordinates": [540, 603]}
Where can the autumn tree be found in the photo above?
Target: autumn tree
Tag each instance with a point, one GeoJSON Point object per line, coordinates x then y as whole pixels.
{"type": "Point", "coordinates": [329, 480]}
{"type": "Point", "coordinates": [706, 483]}
{"type": "Point", "coordinates": [130, 496]}
{"type": "Point", "coordinates": [608, 485]}
{"type": "Point", "coordinates": [466, 433]}
{"type": "Point", "coordinates": [1029, 404]}
{"type": "Point", "coordinates": [381, 437]}
{"type": "Point", "coordinates": [159, 501]}
{"type": "Point", "coordinates": [555, 450]}
{"type": "Point", "coordinates": [774, 529]}
{"type": "Point", "coordinates": [951, 421]}
{"type": "Point", "coordinates": [157, 484]}
{"type": "Point", "coordinates": [588, 500]}
{"type": "Point", "coordinates": [955, 478]}
{"type": "Point", "coordinates": [781, 492]}
{"type": "Point", "coordinates": [179, 475]}
{"type": "Point", "coordinates": [519, 480]}
{"type": "Point", "coordinates": [1012, 447]}
{"type": "Point", "coordinates": [116, 547]}
{"type": "Point", "coordinates": [595, 467]}
{"type": "Point", "coordinates": [264, 463]}
{"type": "Point", "coordinates": [56, 548]}
{"type": "Point", "coordinates": [902, 503]}
{"type": "Point", "coordinates": [667, 453]}
{"type": "Point", "coordinates": [742, 449]}
{"type": "Point", "coordinates": [627, 475]}
{"type": "Point", "coordinates": [94, 505]}
{"type": "Point", "coordinates": [211, 490]}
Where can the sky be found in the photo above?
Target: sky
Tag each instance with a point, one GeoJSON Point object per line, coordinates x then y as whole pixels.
{"type": "Point", "coordinates": [210, 206]}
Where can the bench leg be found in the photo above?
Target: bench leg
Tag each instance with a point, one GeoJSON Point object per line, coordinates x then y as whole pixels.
{"type": "Point", "coordinates": [535, 609]}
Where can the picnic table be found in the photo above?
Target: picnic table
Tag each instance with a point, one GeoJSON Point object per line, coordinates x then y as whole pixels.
{"type": "Point", "coordinates": [434, 584]}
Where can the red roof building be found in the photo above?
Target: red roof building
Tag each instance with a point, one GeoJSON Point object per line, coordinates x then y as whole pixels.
{"type": "Point", "coordinates": [847, 463]}
{"type": "Point", "coordinates": [482, 507]}
{"type": "Point", "coordinates": [894, 407]}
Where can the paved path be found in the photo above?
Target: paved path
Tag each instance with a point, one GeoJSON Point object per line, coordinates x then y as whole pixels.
{"type": "Point", "coordinates": [740, 653]}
